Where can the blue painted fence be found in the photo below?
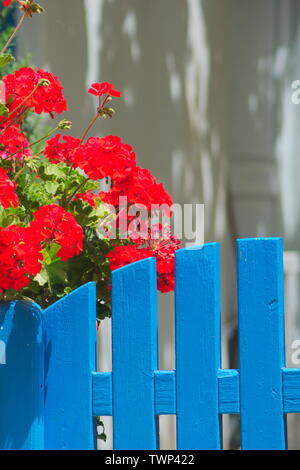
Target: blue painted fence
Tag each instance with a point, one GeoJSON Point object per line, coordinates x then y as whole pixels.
{"type": "Point", "coordinates": [50, 392]}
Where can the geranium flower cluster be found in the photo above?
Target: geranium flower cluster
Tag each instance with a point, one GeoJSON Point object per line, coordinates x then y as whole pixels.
{"type": "Point", "coordinates": [13, 143]}
{"type": "Point", "coordinates": [21, 248]}
{"type": "Point", "coordinates": [20, 257]}
{"type": "Point", "coordinates": [50, 197]}
{"type": "Point", "coordinates": [55, 225]}
{"type": "Point", "coordinates": [162, 246]}
{"type": "Point", "coordinates": [98, 157]}
{"type": "Point", "coordinates": [37, 90]}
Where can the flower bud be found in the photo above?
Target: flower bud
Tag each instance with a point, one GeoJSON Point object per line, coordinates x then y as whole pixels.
{"type": "Point", "coordinates": [65, 124]}
{"type": "Point", "coordinates": [29, 7]}
{"type": "Point", "coordinates": [110, 112]}
{"type": "Point", "coordinates": [36, 8]}
{"type": "Point", "coordinates": [106, 112]}
{"type": "Point", "coordinates": [43, 82]}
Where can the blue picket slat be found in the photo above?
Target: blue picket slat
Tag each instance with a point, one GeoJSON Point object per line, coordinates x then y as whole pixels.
{"type": "Point", "coordinates": [198, 354]}
{"type": "Point", "coordinates": [49, 390]}
{"type": "Point", "coordinates": [21, 377]}
{"type": "Point", "coordinates": [70, 349]}
{"type": "Point", "coordinates": [261, 343]}
{"type": "Point", "coordinates": [134, 355]}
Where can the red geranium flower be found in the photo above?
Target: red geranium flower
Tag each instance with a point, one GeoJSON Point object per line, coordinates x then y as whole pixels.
{"type": "Point", "coordinates": [57, 151]}
{"type": "Point", "coordinates": [6, 3]}
{"type": "Point", "coordinates": [162, 246]}
{"type": "Point", "coordinates": [104, 156]}
{"type": "Point", "coordinates": [88, 197]}
{"type": "Point", "coordinates": [13, 140]}
{"type": "Point", "coordinates": [104, 88]}
{"type": "Point", "coordinates": [7, 191]}
{"type": "Point", "coordinates": [140, 187]}
{"type": "Point", "coordinates": [20, 256]}
{"type": "Point", "coordinates": [55, 225]}
{"type": "Point", "coordinates": [122, 255]}
{"type": "Point", "coordinates": [47, 98]}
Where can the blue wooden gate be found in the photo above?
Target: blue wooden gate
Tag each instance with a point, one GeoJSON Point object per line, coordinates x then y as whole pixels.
{"type": "Point", "coordinates": [50, 392]}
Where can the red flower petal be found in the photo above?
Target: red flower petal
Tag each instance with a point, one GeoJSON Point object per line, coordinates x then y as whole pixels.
{"type": "Point", "coordinates": [104, 88]}
{"type": "Point", "coordinates": [55, 225]}
{"type": "Point", "coordinates": [8, 196]}
{"type": "Point", "coordinates": [45, 99]}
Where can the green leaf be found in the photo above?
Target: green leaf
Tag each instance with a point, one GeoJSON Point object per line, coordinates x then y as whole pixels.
{"type": "Point", "coordinates": [57, 272]}
{"type": "Point", "coordinates": [42, 278]}
{"type": "Point", "coordinates": [54, 170]}
{"type": "Point", "coordinates": [6, 58]}
{"type": "Point", "coordinates": [67, 290]}
{"type": "Point", "coordinates": [50, 254]}
{"type": "Point", "coordinates": [51, 187]}
{"type": "Point", "coordinates": [3, 110]}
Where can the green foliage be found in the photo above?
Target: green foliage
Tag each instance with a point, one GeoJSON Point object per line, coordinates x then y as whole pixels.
{"type": "Point", "coordinates": [6, 27]}
{"type": "Point", "coordinates": [3, 110]}
{"type": "Point", "coordinates": [42, 183]}
{"type": "Point", "coordinates": [100, 432]}
{"type": "Point", "coordinates": [6, 59]}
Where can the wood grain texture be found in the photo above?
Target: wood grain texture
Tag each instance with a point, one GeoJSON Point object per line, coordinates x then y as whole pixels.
{"type": "Point", "coordinates": [21, 377]}
{"type": "Point", "coordinates": [134, 355]}
{"type": "Point", "coordinates": [198, 354]}
{"type": "Point", "coordinates": [261, 343]}
{"type": "Point", "coordinates": [70, 349]}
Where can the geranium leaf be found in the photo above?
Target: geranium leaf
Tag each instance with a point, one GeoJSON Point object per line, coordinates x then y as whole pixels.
{"type": "Point", "coordinates": [3, 110]}
{"type": "Point", "coordinates": [6, 58]}
{"type": "Point", "coordinates": [51, 187]}
{"type": "Point", "coordinates": [42, 278]}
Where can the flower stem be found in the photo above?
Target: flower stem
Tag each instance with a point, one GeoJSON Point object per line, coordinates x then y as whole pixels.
{"type": "Point", "coordinates": [27, 160]}
{"type": "Point", "coordinates": [101, 106]}
{"type": "Point", "coordinates": [13, 121]}
{"type": "Point", "coordinates": [34, 143]}
{"type": "Point", "coordinates": [24, 101]}
{"type": "Point", "coordinates": [89, 127]}
{"type": "Point", "coordinates": [80, 186]}
{"type": "Point", "coordinates": [14, 33]}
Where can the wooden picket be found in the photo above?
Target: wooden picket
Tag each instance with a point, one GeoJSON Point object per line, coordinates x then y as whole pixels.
{"type": "Point", "coordinates": [261, 343]}
{"type": "Point", "coordinates": [198, 343]}
{"type": "Point", "coordinates": [50, 360]}
{"type": "Point", "coordinates": [21, 377]}
{"type": "Point", "coordinates": [70, 345]}
{"type": "Point", "coordinates": [134, 348]}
